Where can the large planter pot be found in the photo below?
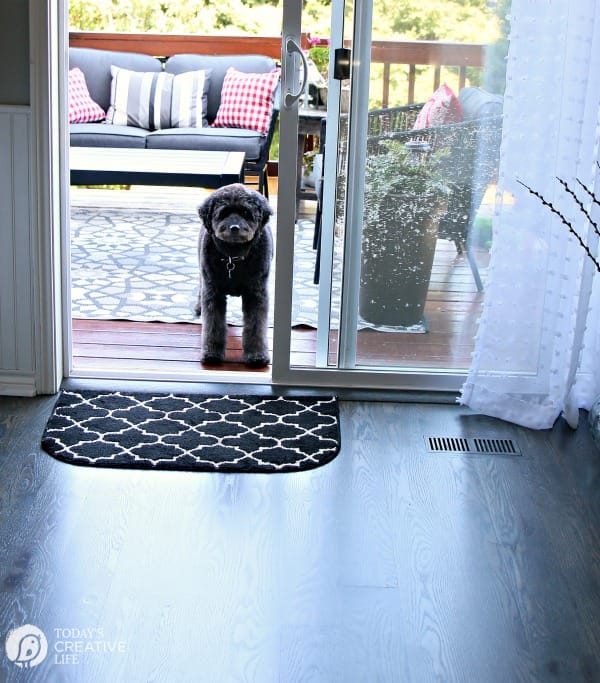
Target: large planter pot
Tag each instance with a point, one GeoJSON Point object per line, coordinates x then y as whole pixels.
{"type": "Point", "coordinates": [397, 256]}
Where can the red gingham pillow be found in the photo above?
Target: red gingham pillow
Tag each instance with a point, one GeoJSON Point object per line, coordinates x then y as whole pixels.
{"type": "Point", "coordinates": [247, 100]}
{"type": "Point", "coordinates": [82, 108]}
{"type": "Point", "coordinates": [442, 107]}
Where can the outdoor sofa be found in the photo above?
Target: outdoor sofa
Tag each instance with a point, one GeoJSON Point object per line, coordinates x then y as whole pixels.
{"type": "Point", "coordinates": [144, 127]}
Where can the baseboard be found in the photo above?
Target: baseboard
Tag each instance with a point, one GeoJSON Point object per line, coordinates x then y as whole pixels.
{"type": "Point", "coordinates": [17, 384]}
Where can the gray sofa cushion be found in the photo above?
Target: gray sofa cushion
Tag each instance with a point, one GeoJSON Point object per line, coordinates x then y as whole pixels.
{"type": "Point", "coordinates": [208, 139]}
{"type": "Point", "coordinates": [96, 64]}
{"type": "Point", "coordinates": [477, 102]}
{"type": "Point", "coordinates": [106, 135]}
{"type": "Point", "coordinates": [218, 64]}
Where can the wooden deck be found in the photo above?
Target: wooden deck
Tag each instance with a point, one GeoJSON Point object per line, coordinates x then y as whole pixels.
{"type": "Point", "coordinates": [116, 346]}
{"type": "Point", "coordinates": [452, 310]}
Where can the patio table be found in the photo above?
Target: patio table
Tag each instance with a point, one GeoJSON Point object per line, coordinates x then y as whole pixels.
{"type": "Point", "coordinates": [127, 166]}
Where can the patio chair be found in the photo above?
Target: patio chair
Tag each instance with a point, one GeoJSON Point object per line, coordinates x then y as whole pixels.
{"type": "Point", "coordinates": [260, 167]}
{"type": "Point", "coordinates": [471, 164]}
{"type": "Point", "coordinates": [469, 168]}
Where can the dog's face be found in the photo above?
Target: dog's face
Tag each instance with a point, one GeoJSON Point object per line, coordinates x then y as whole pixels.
{"type": "Point", "coordinates": [235, 214]}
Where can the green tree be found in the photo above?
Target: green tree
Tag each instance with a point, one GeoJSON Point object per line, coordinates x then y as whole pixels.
{"type": "Point", "coordinates": [192, 16]}
{"type": "Point", "coordinates": [495, 71]}
{"type": "Point", "coordinates": [456, 20]}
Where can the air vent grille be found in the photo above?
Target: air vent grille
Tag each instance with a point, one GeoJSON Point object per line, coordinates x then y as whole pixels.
{"type": "Point", "coordinates": [472, 445]}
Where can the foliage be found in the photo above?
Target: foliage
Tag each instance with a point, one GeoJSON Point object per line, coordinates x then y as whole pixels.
{"type": "Point", "coordinates": [495, 72]}
{"type": "Point", "coordinates": [459, 20]}
{"type": "Point", "coordinates": [192, 16]}
{"type": "Point", "coordinates": [452, 20]}
{"type": "Point", "coordinates": [320, 56]}
{"type": "Point", "coordinates": [395, 170]}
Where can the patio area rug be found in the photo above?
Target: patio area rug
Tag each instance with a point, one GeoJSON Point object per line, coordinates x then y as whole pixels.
{"type": "Point", "coordinates": [193, 432]}
{"type": "Point", "coordinates": [142, 265]}
{"type": "Point", "coordinates": [133, 264]}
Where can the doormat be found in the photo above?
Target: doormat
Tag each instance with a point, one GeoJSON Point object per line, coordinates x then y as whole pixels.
{"type": "Point", "coordinates": [193, 432]}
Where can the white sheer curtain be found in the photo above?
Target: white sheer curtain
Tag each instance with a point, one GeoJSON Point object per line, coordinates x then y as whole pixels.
{"type": "Point", "coordinates": [537, 353]}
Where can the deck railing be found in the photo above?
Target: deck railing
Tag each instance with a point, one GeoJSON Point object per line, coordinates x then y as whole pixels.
{"type": "Point", "coordinates": [392, 54]}
{"type": "Point", "coordinates": [418, 53]}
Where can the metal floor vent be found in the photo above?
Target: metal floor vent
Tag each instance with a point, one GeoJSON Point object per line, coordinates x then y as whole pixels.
{"type": "Point", "coordinates": [472, 445]}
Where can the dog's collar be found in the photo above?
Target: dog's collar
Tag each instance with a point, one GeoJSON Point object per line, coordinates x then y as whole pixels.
{"type": "Point", "coordinates": [230, 263]}
{"type": "Point", "coordinates": [229, 259]}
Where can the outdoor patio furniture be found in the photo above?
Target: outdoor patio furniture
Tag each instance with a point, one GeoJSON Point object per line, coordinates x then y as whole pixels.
{"type": "Point", "coordinates": [168, 167]}
{"type": "Point", "coordinates": [96, 67]}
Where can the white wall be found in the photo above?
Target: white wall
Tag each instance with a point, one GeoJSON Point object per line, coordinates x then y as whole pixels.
{"type": "Point", "coordinates": [31, 211]}
{"type": "Point", "coordinates": [17, 340]}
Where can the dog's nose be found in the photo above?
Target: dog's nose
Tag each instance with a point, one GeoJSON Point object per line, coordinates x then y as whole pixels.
{"type": "Point", "coordinates": [234, 228]}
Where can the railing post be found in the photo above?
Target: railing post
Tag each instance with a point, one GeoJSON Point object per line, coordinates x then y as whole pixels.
{"type": "Point", "coordinates": [385, 97]}
{"type": "Point", "coordinates": [437, 77]}
{"type": "Point", "coordinates": [412, 77]}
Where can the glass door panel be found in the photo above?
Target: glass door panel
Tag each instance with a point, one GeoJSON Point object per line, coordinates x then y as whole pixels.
{"type": "Point", "coordinates": [411, 260]}
{"type": "Point", "coordinates": [408, 198]}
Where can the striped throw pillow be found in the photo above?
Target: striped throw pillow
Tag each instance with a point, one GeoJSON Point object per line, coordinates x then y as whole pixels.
{"type": "Point", "coordinates": [189, 98]}
{"type": "Point", "coordinates": [247, 100]}
{"type": "Point", "coordinates": [141, 99]}
{"type": "Point", "coordinates": [156, 100]}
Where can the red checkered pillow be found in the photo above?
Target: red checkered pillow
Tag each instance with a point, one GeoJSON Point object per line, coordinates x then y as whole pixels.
{"type": "Point", "coordinates": [82, 108]}
{"type": "Point", "coordinates": [442, 107]}
{"type": "Point", "coordinates": [247, 100]}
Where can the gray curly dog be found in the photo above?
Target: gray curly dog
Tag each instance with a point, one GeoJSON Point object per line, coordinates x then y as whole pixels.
{"type": "Point", "coordinates": [235, 250]}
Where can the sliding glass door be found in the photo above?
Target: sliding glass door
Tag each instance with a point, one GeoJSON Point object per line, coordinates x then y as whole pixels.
{"type": "Point", "coordinates": [405, 211]}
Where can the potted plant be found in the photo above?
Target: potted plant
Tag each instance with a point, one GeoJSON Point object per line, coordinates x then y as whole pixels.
{"type": "Point", "coordinates": [318, 56]}
{"type": "Point", "coordinates": [405, 197]}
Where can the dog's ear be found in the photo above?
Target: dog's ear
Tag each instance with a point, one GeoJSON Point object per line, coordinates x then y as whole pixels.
{"type": "Point", "coordinates": [267, 212]}
{"type": "Point", "coordinates": [205, 211]}
{"type": "Point", "coordinates": [264, 211]}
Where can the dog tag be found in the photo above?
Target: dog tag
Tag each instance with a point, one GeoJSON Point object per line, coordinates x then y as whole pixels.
{"type": "Point", "coordinates": [230, 266]}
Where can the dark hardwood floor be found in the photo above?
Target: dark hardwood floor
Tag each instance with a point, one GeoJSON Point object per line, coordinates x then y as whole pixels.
{"type": "Point", "coordinates": [388, 564]}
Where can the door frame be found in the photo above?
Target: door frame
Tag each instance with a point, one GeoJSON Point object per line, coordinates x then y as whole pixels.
{"type": "Point", "coordinates": [346, 376]}
{"type": "Point", "coordinates": [50, 197]}
{"type": "Point", "coordinates": [48, 170]}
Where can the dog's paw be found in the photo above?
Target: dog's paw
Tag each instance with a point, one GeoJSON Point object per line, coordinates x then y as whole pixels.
{"type": "Point", "coordinates": [256, 360]}
{"type": "Point", "coordinates": [198, 310]}
{"type": "Point", "coordinates": [212, 358]}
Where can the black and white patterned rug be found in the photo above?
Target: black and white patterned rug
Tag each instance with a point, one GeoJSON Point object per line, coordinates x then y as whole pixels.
{"type": "Point", "coordinates": [193, 432]}
{"type": "Point", "coordinates": [136, 264]}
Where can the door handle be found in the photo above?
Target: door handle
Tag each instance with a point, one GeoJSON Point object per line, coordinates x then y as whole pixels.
{"type": "Point", "coordinates": [291, 47]}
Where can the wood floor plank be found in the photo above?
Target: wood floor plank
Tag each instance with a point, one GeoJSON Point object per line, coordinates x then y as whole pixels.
{"type": "Point", "coordinates": [388, 564]}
